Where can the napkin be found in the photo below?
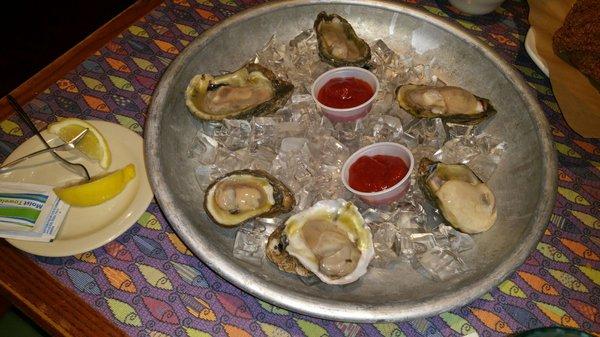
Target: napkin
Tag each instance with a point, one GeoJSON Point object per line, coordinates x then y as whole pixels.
{"type": "Point", "coordinates": [578, 99]}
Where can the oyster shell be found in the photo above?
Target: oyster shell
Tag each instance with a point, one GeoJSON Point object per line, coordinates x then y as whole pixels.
{"type": "Point", "coordinates": [464, 200]}
{"type": "Point", "coordinates": [252, 90]}
{"type": "Point", "coordinates": [276, 253]}
{"type": "Point", "coordinates": [452, 104]}
{"type": "Point", "coordinates": [331, 240]}
{"type": "Point", "coordinates": [245, 194]}
{"type": "Point", "coordinates": [338, 43]}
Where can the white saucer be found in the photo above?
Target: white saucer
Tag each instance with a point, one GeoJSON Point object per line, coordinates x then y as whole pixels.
{"type": "Point", "coordinates": [533, 53]}
{"type": "Point", "coordinates": [86, 228]}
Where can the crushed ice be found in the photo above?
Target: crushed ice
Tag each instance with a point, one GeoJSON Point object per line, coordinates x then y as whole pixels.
{"type": "Point", "coordinates": [306, 151]}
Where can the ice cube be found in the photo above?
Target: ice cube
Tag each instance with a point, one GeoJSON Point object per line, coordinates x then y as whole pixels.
{"type": "Point", "coordinates": [250, 242]}
{"type": "Point", "coordinates": [439, 264]}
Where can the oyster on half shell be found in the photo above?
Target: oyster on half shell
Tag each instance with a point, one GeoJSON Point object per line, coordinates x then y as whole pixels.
{"type": "Point", "coordinates": [338, 43]}
{"type": "Point", "coordinates": [464, 200]}
{"type": "Point", "coordinates": [452, 104]}
{"type": "Point", "coordinates": [330, 239]}
{"type": "Point", "coordinates": [245, 194]}
{"type": "Point", "coordinates": [252, 90]}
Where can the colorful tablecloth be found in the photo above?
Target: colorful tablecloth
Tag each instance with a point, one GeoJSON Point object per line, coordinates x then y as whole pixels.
{"type": "Point", "coordinates": [149, 284]}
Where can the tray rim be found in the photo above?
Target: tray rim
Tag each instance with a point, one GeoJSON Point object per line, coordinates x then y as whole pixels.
{"type": "Point", "coordinates": [339, 310]}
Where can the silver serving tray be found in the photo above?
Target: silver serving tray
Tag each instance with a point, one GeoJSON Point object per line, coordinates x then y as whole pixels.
{"type": "Point", "coordinates": [524, 183]}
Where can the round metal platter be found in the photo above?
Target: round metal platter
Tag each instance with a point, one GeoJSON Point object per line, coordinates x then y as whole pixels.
{"type": "Point", "coordinates": [524, 182]}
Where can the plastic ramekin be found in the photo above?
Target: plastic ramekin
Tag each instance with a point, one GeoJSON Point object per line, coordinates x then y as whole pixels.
{"type": "Point", "coordinates": [392, 193]}
{"type": "Point", "coordinates": [349, 114]}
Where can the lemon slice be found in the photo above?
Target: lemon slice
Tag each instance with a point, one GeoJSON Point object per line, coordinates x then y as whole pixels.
{"type": "Point", "coordinates": [98, 190]}
{"type": "Point", "coordinates": [93, 144]}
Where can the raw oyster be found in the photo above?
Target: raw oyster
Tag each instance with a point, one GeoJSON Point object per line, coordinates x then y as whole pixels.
{"type": "Point", "coordinates": [252, 90]}
{"type": "Point", "coordinates": [338, 43]}
{"type": "Point", "coordinates": [331, 240]}
{"type": "Point", "coordinates": [452, 104]}
{"type": "Point", "coordinates": [277, 254]}
{"type": "Point", "coordinates": [245, 194]}
{"type": "Point", "coordinates": [464, 200]}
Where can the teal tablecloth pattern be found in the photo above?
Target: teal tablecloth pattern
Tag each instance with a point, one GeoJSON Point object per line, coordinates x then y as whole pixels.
{"type": "Point", "coordinates": [149, 284]}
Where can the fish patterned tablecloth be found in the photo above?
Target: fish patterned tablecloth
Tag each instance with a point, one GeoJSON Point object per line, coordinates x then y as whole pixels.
{"type": "Point", "coordinates": [149, 284]}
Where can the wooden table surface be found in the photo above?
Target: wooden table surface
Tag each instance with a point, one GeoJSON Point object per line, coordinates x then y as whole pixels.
{"type": "Point", "coordinates": [51, 305]}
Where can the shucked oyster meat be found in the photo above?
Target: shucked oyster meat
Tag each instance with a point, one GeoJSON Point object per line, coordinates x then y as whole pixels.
{"type": "Point", "coordinates": [452, 104]}
{"type": "Point", "coordinates": [338, 43]}
{"type": "Point", "coordinates": [330, 239]}
{"type": "Point", "coordinates": [464, 200]}
{"type": "Point", "coordinates": [245, 194]}
{"type": "Point", "coordinates": [252, 90]}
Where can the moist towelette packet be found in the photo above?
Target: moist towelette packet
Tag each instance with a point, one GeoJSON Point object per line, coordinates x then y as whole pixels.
{"type": "Point", "coordinates": [30, 212]}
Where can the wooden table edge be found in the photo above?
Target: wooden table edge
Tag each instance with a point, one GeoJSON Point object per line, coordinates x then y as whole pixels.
{"type": "Point", "coordinates": [28, 286]}
{"type": "Point", "coordinates": [76, 55]}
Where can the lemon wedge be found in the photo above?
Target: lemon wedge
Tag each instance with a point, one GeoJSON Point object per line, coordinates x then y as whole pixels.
{"type": "Point", "coordinates": [98, 190]}
{"type": "Point", "coordinates": [93, 144]}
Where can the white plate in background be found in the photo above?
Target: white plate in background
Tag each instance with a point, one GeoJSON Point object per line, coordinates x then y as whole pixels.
{"type": "Point", "coordinates": [533, 53]}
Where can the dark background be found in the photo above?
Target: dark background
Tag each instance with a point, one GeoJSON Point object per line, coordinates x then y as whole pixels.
{"type": "Point", "coordinates": [35, 33]}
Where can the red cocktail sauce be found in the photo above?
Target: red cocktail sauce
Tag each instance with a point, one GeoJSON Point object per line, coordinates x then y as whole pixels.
{"type": "Point", "coordinates": [344, 93]}
{"type": "Point", "coordinates": [376, 173]}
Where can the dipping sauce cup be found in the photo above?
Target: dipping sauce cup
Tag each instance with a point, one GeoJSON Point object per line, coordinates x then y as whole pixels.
{"type": "Point", "coordinates": [389, 194]}
{"type": "Point", "coordinates": [346, 114]}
